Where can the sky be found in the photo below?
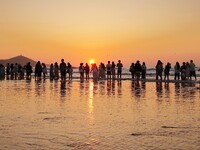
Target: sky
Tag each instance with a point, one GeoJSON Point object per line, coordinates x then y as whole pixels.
{"type": "Point", "coordinates": [80, 30]}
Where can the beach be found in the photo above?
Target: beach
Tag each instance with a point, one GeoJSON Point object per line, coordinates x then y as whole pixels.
{"type": "Point", "coordinates": [99, 115]}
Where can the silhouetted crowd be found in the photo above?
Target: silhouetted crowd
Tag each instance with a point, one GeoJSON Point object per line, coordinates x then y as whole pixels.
{"type": "Point", "coordinates": [109, 71]}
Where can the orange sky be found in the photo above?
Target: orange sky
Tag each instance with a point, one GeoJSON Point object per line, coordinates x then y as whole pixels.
{"type": "Point", "coordinates": [78, 30]}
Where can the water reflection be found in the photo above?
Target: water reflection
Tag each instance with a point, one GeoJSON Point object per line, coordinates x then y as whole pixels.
{"type": "Point", "coordinates": [109, 87]}
{"type": "Point", "coordinates": [63, 89]}
{"type": "Point", "coordinates": [119, 90]}
{"type": "Point", "coordinates": [159, 90]}
{"type": "Point", "coordinates": [138, 89]}
{"type": "Point", "coordinates": [91, 97]}
{"type": "Point", "coordinates": [38, 88]}
{"type": "Point", "coordinates": [28, 87]}
{"type": "Point", "coordinates": [167, 90]}
{"type": "Point", "coordinates": [102, 89]}
{"type": "Point", "coordinates": [188, 91]}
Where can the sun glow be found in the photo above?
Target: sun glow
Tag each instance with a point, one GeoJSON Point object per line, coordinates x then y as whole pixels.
{"type": "Point", "coordinates": [92, 61]}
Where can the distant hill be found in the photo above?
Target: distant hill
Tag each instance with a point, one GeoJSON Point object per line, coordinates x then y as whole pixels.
{"type": "Point", "coordinates": [18, 59]}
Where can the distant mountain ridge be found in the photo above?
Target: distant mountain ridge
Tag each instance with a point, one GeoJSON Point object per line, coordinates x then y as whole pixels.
{"type": "Point", "coordinates": [18, 59]}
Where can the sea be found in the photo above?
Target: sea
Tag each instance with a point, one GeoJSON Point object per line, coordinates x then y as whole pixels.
{"type": "Point", "coordinates": [99, 115]}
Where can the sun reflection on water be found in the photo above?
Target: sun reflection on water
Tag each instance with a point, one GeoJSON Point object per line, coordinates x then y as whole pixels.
{"type": "Point", "coordinates": [91, 96]}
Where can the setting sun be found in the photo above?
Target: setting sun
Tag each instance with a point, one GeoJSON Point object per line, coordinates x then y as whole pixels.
{"type": "Point", "coordinates": [92, 61]}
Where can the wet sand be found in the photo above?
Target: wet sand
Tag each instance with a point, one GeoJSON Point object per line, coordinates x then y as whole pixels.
{"type": "Point", "coordinates": [99, 115]}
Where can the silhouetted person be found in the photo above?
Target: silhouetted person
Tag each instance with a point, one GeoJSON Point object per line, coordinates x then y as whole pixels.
{"type": "Point", "coordinates": [159, 69]}
{"type": "Point", "coordinates": [63, 69]}
{"type": "Point", "coordinates": [56, 71]}
{"type": "Point", "coordinates": [15, 70]}
{"type": "Point", "coordinates": [132, 70]}
{"type": "Point", "coordinates": [7, 71]}
{"type": "Point", "coordinates": [87, 71]}
{"type": "Point", "coordinates": [95, 71]}
{"type": "Point", "coordinates": [12, 71]}
{"type": "Point", "coordinates": [183, 71]}
{"type": "Point", "coordinates": [144, 70]}
{"type": "Point", "coordinates": [113, 70]}
{"type": "Point", "coordinates": [44, 70]}
{"type": "Point", "coordinates": [38, 71]}
{"type": "Point", "coordinates": [187, 70]}
{"type": "Point", "coordinates": [21, 72]}
{"type": "Point", "coordinates": [69, 70]}
{"type": "Point", "coordinates": [119, 69]}
{"type": "Point", "coordinates": [102, 70]}
{"type": "Point", "coordinates": [2, 72]}
{"type": "Point", "coordinates": [108, 68]}
{"type": "Point", "coordinates": [167, 70]}
{"type": "Point", "coordinates": [192, 70]}
{"type": "Point", "coordinates": [81, 71]}
{"type": "Point", "coordinates": [29, 70]}
{"type": "Point", "coordinates": [51, 70]}
{"type": "Point", "coordinates": [138, 69]}
{"type": "Point", "coordinates": [177, 71]}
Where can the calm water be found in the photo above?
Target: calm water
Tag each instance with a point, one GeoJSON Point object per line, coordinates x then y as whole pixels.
{"type": "Point", "coordinates": [99, 115]}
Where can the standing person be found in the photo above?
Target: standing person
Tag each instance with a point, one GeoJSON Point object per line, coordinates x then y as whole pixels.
{"type": "Point", "coordinates": [16, 71]}
{"type": "Point", "coordinates": [192, 70]}
{"type": "Point", "coordinates": [132, 70]}
{"type": "Point", "coordinates": [144, 70]}
{"type": "Point", "coordinates": [87, 71]}
{"type": "Point", "coordinates": [69, 70]}
{"type": "Point", "coordinates": [38, 71]}
{"type": "Point", "coordinates": [119, 69]}
{"type": "Point", "coordinates": [21, 72]}
{"type": "Point", "coordinates": [183, 71]}
{"type": "Point", "coordinates": [63, 69]}
{"type": "Point", "coordinates": [51, 72]}
{"type": "Point", "coordinates": [102, 70]}
{"type": "Point", "coordinates": [187, 70]}
{"type": "Point", "coordinates": [7, 71]}
{"type": "Point", "coordinates": [44, 70]}
{"type": "Point", "coordinates": [2, 72]}
{"type": "Point", "coordinates": [113, 70]}
{"type": "Point", "coordinates": [138, 69]}
{"type": "Point", "coordinates": [167, 70]}
{"type": "Point", "coordinates": [177, 71]}
{"type": "Point", "coordinates": [108, 68]}
{"type": "Point", "coordinates": [159, 69]}
{"type": "Point", "coordinates": [56, 71]}
{"type": "Point", "coordinates": [81, 71]}
{"type": "Point", "coordinates": [12, 71]}
{"type": "Point", "coordinates": [94, 69]}
{"type": "Point", "coordinates": [29, 70]}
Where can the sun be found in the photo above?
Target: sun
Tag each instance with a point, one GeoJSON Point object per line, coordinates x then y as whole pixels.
{"type": "Point", "coordinates": [92, 61]}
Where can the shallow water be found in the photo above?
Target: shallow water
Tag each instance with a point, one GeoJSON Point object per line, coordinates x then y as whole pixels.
{"type": "Point", "coordinates": [99, 115]}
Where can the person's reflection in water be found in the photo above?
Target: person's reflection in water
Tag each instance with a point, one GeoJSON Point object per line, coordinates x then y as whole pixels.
{"type": "Point", "coordinates": [143, 85]}
{"type": "Point", "coordinates": [177, 90]}
{"type": "Point", "coordinates": [81, 86]}
{"type": "Point", "coordinates": [56, 88]}
{"type": "Point", "coordinates": [119, 91]}
{"type": "Point", "coordinates": [28, 87]}
{"type": "Point", "coordinates": [113, 87]}
{"type": "Point", "coordinates": [108, 87]}
{"type": "Point", "coordinates": [102, 87]}
{"type": "Point", "coordinates": [95, 86]}
{"type": "Point", "coordinates": [38, 87]}
{"type": "Point", "coordinates": [192, 90]}
{"type": "Point", "coordinates": [167, 90]}
{"type": "Point", "coordinates": [159, 89]}
{"type": "Point", "coordinates": [63, 89]}
{"type": "Point", "coordinates": [143, 89]}
{"type": "Point", "coordinates": [137, 89]}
